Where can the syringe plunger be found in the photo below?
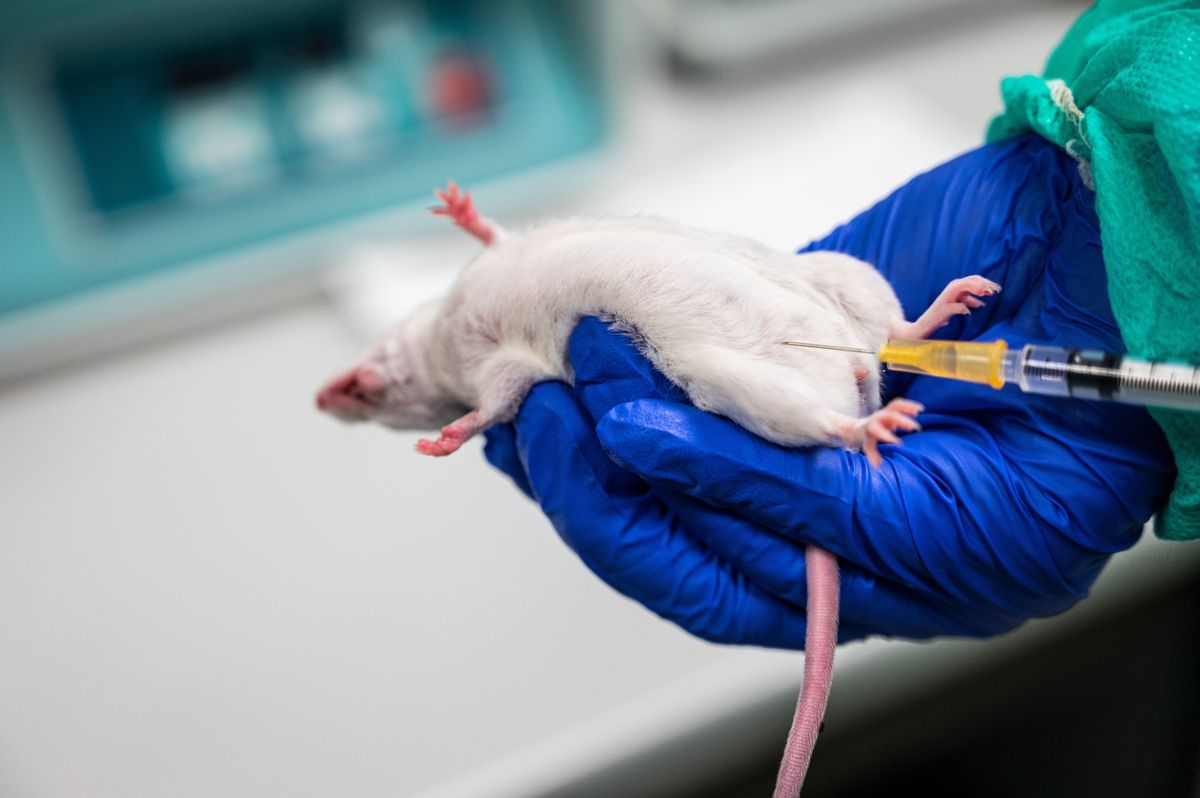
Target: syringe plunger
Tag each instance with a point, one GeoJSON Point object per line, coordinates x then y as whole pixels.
{"type": "Point", "coordinates": [1106, 376]}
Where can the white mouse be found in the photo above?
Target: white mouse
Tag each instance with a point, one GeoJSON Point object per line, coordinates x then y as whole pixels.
{"type": "Point", "coordinates": [710, 311]}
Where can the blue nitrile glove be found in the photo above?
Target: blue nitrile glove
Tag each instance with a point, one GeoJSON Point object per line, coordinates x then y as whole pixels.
{"type": "Point", "coordinates": [1005, 507]}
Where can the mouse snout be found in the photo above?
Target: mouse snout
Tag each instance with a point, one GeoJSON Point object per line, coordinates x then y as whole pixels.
{"type": "Point", "coordinates": [351, 394]}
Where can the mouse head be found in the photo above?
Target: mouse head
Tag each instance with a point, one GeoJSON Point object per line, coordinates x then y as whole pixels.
{"type": "Point", "coordinates": [392, 383]}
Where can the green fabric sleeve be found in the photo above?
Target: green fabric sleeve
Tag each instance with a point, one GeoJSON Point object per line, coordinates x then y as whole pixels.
{"type": "Point", "coordinates": [1121, 93]}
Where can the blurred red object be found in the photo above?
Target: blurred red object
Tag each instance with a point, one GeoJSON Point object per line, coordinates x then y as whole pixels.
{"type": "Point", "coordinates": [461, 88]}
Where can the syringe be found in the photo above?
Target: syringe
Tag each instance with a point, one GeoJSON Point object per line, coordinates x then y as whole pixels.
{"type": "Point", "coordinates": [1036, 368]}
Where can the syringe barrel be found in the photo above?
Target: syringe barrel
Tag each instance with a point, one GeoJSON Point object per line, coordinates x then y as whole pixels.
{"type": "Point", "coordinates": [1092, 374]}
{"type": "Point", "coordinates": [972, 361]}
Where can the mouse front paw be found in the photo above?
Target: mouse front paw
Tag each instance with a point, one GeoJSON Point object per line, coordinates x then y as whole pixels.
{"type": "Point", "coordinates": [453, 435]}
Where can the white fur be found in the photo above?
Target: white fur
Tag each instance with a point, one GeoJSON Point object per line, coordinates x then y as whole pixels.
{"type": "Point", "coordinates": [710, 311]}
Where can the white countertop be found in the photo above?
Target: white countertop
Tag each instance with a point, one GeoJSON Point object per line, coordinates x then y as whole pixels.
{"type": "Point", "coordinates": [208, 589]}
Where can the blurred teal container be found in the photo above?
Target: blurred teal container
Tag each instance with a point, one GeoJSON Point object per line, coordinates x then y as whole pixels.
{"type": "Point", "coordinates": [138, 138]}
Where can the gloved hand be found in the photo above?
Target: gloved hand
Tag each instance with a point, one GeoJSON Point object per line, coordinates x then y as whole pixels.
{"type": "Point", "coordinates": [1004, 507]}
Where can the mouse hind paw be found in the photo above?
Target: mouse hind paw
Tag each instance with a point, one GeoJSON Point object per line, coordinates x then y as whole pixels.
{"type": "Point", "coordinates": [899, 415]}
{"type": "Point", "coordinates": [958, 298]}
{"type": "Point", "coordinates": [460, 208]}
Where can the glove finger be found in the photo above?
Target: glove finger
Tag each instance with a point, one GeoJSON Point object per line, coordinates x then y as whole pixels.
{"type": "Point", "coordinates": [776, 564]}
{"type": "Point", "coordinates": [871, 517]}
{"type": "Point", "coordinates": [609, 370]}
{"type": "Point", "coordinates": [628, 538]}
{"type": "Point", "coordinates": [500, 450]}
{"type": "Point", "coordinates": [712, 459]}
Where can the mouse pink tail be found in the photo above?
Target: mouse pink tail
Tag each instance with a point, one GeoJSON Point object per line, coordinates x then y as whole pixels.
{"type": "Point", "coordinates": [820, 640]}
